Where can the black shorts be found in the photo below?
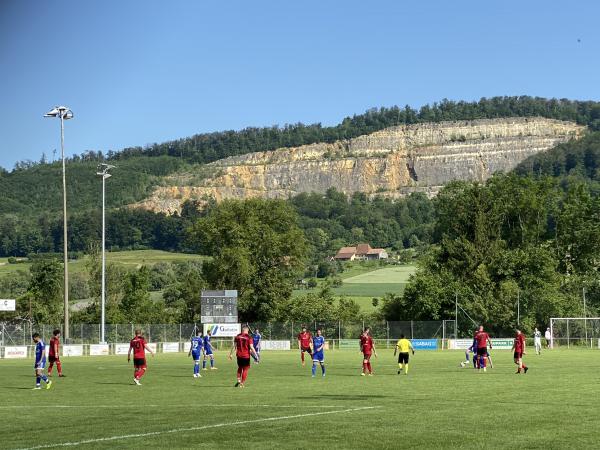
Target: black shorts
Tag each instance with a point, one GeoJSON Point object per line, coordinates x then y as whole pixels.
{"type": "Point", "coordinates": [403, 358]}
{"type": "Point", "coordinates": [306, 349]}
{"type": "Point", "coordinates": [139, 362]}
{"type": "Point", "coordinates": [243, 362]}
{"type": "Point", "coordinates": [53, 359]}
{"type": "Point", "coordinates": [518, 355]}
{"type": "Point", "coordinates": [482, 351]}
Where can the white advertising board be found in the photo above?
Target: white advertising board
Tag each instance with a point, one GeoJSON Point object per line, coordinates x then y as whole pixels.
{"type": "Point", "coordinates": [72, 350]}
{"type": "Point", "coordinates": [121, 349]}
{"type": "Point", "coordinates": [275, 345]}
{"type": "Point", "coordinates": [223, 329]}
{"type": "Point", "coordinates": [170, 347]}
{"type": "Point", "coordinates": [187, 346]}
{"type": "Point", "coordinates": [152, 346]}
{"type": "Point", "coordinates": [15, 352]}
{"type": "Point", "coordinates": [99, 350]}
{"type": "Point", "coordinates": [7, 304]}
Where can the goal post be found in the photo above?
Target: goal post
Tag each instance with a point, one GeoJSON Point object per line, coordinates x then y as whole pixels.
{"type": "Point", "coordinates": [575, 332]}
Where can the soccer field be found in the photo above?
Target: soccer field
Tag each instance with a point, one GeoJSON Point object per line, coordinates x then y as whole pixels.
{"type": "Point", "coordinates": [438, 405]}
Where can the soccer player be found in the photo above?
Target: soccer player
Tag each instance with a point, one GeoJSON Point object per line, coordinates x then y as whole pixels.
{"type": "Point", "coordinates": [318, 355]}
{"type": "Point", "coordinates": [40, 362]}
{"type": "Point", "coordinates": [256, 338]}
{"type": "Point", "coordinates": [139, 347]}
{"type": "Point", "coordinates": [519, 350]}
{"type": "Point", "coordinates": [304, 341]}
{"type": "Point", "coordinates": [548, 337]}
{"type": "Point", "coordinates": [537, 340]}
{"type": "Point", "coordinates": [482, 342]}
{"type": "Point", "coordinates": [208, 352]}
{"type": "Point", "coordinates": [54, 355]}
{"type": "Point", "coordinates": [244, 349]}
{"type": "Point", "coordinates": [367, 347]}
{"type": "Point", "coordinates": [403, 346]}
{"type": "Point", "coordinates": [196, 350]}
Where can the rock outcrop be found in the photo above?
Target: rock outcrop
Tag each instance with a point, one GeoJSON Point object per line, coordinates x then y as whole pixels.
{"type": "Point", "coordinates": [393, 162]}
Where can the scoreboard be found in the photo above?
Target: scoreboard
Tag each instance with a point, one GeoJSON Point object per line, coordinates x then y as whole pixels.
{"type": "Point", "coordinates": [219, 306]}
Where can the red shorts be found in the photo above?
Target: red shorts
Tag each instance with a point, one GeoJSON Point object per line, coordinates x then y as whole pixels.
{"type": "Point", "coordinates": [518, 355]}
{"type": "Point", "coordinates": [139, 363]}
{"type": "Point", "coordinates": [367, 356]}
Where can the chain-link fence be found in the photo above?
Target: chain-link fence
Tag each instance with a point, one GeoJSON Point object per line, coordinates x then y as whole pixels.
{"type": "Point", "coordinates": [20, 333]}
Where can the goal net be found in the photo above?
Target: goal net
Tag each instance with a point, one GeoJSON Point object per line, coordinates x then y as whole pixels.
{"type": "Point", "coordinates": [574, 331]}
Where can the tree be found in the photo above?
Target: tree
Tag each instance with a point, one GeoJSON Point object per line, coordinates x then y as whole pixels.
{"type": "Point", "coordinates": [43, 301]}
{"type": "Point", "coordinates": [257, 248]}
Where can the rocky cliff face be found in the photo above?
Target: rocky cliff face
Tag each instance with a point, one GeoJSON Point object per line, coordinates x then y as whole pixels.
{"type": "Point", "coordinates": [393, 162]}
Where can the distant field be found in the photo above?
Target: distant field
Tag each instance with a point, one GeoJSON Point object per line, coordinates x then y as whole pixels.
{"type": "Point", "coordinates": [133, 258]}
{"type": "Point", "coordinates": [363, 282]}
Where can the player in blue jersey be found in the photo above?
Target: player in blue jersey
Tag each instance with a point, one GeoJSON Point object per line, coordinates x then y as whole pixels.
{"type": "Point", "coordinates": [196, 350]}
{"type": "Point", "coordinates": [208, 352]}
{"type": "Point", "coordinates": [40, 362]}
{"type": "Point", "coordinates": [318, 353]}
{"type": "Point", "coordinates": [256, 338]}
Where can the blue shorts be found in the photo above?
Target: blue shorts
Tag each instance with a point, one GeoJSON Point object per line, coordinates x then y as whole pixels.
{"type": "Point", "coordinates": [196, 356]}
{"type": "Point", "coordinates": [208, 352]}
{"type": "Point", "coordinates": [40, 365]}
{"type": "Point", "coordinates": [319, 356]}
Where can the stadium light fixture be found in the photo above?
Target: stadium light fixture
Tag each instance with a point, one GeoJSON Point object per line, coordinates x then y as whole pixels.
{"type": "Point", "coordinates": [64, 113]}
{"type": "Point", "coordinates": [103, 172]}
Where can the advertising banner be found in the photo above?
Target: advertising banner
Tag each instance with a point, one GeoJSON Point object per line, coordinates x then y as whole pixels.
{"type": "Point", "coordinates": [187, 346]}
{"type": "Point", "coordinates": [15, 352]}
{"type": "Point", "coordinates": [99, 350]}
{"type": "Point", "coordinates": [170, 347]}
{"type": "Point", "coordinates": [121, 349]}
{"type": "Point", "coordinates": [152, 346]}
{"type": "Point", "coordinates": [459, 344]}
{"type": "Point", "coordinates": [72, 350]}
{"type": "Point", "coordinates": [275, 345]}
{"type": "Point", "coordinates": [8, 304]}
{"type": "Point", "coordinates": [424, 344]}
{"type": "Point", "coordinates": [502, 344]}
{"type": "Point", "coordinates": [223, 329]}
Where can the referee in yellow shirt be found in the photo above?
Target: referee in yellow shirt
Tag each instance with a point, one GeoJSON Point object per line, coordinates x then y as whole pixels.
{"type": "Point", "coordinates": [403, 346]}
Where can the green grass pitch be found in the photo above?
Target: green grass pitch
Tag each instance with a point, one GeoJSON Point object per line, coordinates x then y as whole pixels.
{"type": "Point", "coordinates": [438, 405]}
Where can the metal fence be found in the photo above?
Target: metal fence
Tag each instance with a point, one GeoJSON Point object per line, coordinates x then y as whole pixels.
{"type": "Point", "coordinates": [575, 331]}
{"type": "Point", "coordinates": [20, 334]}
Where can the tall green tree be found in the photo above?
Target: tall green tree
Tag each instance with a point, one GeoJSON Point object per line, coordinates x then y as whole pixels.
{"type": "Point", "coordinates": [256, 248]}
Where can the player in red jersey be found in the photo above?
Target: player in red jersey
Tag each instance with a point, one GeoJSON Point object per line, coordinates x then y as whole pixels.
{"type": "Point", "coordinates": [367, 347]}
{"type": "Point", "coordinates": [54, 354]}
{"type": "Point", "coordinates": [482, 339]}
{"type": "Point", "coordinates": [139, 347]}
{"type": "Point", "coordinates": [244, 349]}
{"type": "Point", "coordinates": [519, 350]}
{"type": "Point", "coordinates": [304, 343]}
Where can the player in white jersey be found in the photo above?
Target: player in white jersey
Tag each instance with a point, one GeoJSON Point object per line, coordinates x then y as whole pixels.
{"type": "Point", "coordinates": [537, 340]}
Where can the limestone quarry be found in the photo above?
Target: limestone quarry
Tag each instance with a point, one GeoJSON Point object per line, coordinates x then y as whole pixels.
{"type": "Point", "coordinates": [393, 162]}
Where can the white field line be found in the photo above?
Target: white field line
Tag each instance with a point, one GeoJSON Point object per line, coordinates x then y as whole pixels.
{"type": "Point", "coordinates": [188, 429]}
{"type": "Point", "coordinates": [227, 405]}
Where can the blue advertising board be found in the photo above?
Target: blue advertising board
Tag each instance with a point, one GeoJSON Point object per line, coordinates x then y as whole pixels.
{"type": "Point", "coordinates": [424, 344]}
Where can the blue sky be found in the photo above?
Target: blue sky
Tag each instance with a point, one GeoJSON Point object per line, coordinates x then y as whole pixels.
{"type": "Point", "coordinates": [137, 72]}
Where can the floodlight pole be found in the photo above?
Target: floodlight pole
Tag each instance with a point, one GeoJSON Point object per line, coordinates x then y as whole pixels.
{"type": "Point", "coordinates": [584, 316]}
{"type": "Point", "coordinates": [63, 113]}
{"type": "Point", "coordinates": [456, 315]}
{"type": "Point", "coordinates": [103, 172]}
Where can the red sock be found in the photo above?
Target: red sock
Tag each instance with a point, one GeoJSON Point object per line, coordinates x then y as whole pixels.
{"type": "Point", "coordinates": [50, 368]}
{"type": "Point", "coordinates": [364, 367]}
{"type": "Point", "coordinates": [245, 374]}
{"type": "Point", "coordinates": [239, 374]}
{"type": "Point", "coordinates": [369, 367]}
{"type": "Point", "coordinates": [142, 372]}
{"type": "Point", "coordinates": [302, 356]}
{"type": "Point", "coordinates": [59, 367]}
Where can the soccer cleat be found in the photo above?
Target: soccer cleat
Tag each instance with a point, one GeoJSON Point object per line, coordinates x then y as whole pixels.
{"type": "Point", "coordinates": [242, 385]}
{"type": "Point", "coordinates": [485, 369]}
{"type": "Point", "coordinates": [61, 375]}
{"type": "Point", "coordinates": [399, 370]}
{"type": "Point", "coordinates": [214, 368]}
{"type": "Point", "coordinates": [370, 374]}
{"type": "Point", "coordinates": [204, 368]}
{"type": "Point", "coordinates": [48, 384]}
{"type": "Point", "coordinates": [195, 375]}
{"type": "Point", "coordinates": [37, 388]}
{"type": "Point", "coordinates": [136, 381]}
{"type": "Point", "coordinates": [362, 374]}
{"type": "Point", "coordinates": [525, 369]}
